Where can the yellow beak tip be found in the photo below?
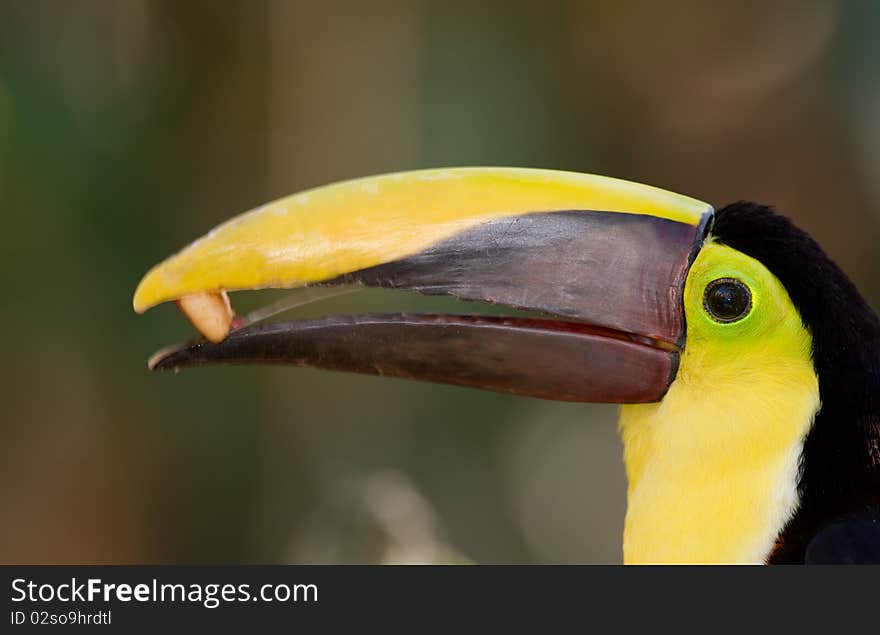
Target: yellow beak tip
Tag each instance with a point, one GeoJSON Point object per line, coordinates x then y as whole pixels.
{"type": "Point", "coordinates": [146, 295]}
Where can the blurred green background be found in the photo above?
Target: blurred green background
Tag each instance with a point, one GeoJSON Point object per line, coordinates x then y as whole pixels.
{"type": "Point", "coordinates": [128, 128]}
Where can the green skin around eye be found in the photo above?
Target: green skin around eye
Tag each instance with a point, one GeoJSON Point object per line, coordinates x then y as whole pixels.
{"type": "Point", "coordinates": [771, 316]}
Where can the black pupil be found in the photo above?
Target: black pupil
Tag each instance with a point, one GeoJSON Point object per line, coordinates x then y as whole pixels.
{"type": "Point", "coordinates": [727, 300]}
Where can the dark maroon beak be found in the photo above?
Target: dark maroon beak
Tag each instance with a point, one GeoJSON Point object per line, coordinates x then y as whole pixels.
{"type": "Point", "coordinates": [608, 288]}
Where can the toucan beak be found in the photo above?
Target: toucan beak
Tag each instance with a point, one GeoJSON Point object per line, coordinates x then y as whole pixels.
{"type": "Point", "coordinates": [602, 261]}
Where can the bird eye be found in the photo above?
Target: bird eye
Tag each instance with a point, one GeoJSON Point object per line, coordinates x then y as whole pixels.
{"type": "Point", "coordinates": [727, 300]}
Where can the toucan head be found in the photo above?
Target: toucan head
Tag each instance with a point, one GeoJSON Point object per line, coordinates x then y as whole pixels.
{"type": "Point", "coordinates": [715, 329]}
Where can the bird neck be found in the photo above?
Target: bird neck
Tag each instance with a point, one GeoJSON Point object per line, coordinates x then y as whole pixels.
{"type": "Point", "coordinates": [713, 468]}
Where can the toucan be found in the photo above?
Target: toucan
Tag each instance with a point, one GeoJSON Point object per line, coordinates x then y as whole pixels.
{"type": "Point", "coordinates": [746, 362]}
